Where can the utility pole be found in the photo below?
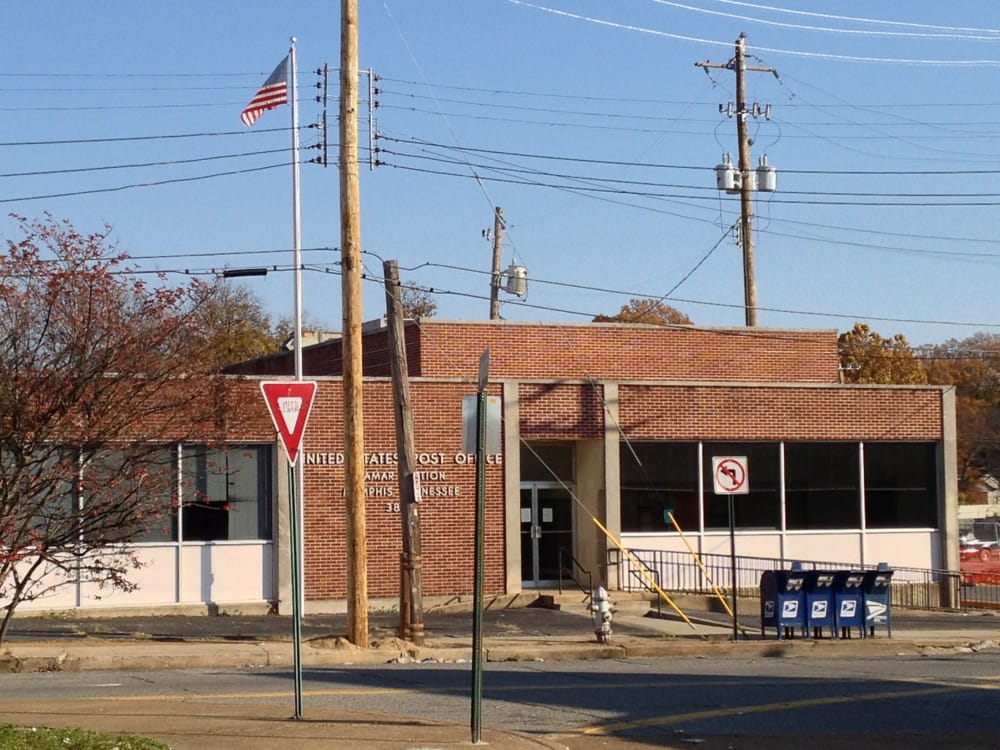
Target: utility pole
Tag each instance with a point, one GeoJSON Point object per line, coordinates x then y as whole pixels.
{"type": "Point", "coordinates": [747, 182]}
{"type": "Point", "coordinates": [497, 251]}
{"type": "Point", "coordinates": [350, 254]}
{"type": "Point", "coordinates": [411, 598]}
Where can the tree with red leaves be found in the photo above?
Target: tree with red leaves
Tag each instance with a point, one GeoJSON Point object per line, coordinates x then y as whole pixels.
{"type": "Point", "coordinates": [105, 370]}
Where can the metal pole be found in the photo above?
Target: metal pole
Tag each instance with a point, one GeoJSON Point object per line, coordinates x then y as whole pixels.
{"type": "Point", "coordinates": [477, 596]}
{"type": "Point", "coordinates": [732, 564]}
{"type": "Point", "coordinates": [296, 589]}
{"type": "Point", "coordinates": [296, 476]}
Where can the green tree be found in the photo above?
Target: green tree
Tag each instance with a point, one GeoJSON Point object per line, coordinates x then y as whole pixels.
{"type": "Point", "coordinates": [646, 310]}
{"type": "Point", "coordinates": [972, 365]}
{"type": "Point", "coordinates": [867, 357]}
{"type": "Point", "coordinates": [102, 372]}
{"type": "Point", "coordinates": [235, 325]}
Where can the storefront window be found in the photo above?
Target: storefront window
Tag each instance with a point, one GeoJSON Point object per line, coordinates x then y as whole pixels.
{"type": "Point", "coordinates": [900, 485]}
{"type": "Point", "coordinates": [761, 507]}
{"type": "Point", "coordinates": [822, 486]}
{"type": "Point", "coordinates": [226, 493]}
{"type": "Point", "coordinates": [141, 481]}
{"type": "Point", "coordinates": [657, 478]}
{"type": "Point", "coordinates": [45, 484]}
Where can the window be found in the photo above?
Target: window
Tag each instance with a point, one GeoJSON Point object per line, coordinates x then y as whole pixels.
{"type": "Point", "coordinates": [44, 484]}
{"type": "Point", "coordinates": [657, 478]}
{"type": "Point", "coordinates": [761, 507]}
{"type": "Point", "coordinates": [137, 484]}
{"type": "Point", "coordinates": [226, 493]}
{"type": "Point", "coordinates": [900, 485]}
{"type": "Point", "coordinates": [822, 486]}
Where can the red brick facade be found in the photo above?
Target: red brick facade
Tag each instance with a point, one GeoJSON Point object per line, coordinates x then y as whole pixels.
{"type": "Point", "coordinates": [779, 413]}
{"type": "Point", "coordinates": [672, 384]}
{"type": "Point", "coordinates": [449, 487]}
{"type": "Point", "coordinates": [604, 351]}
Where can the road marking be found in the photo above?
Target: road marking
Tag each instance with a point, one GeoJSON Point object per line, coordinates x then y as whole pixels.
{"type": "Point", "coordinates": [459, 690]}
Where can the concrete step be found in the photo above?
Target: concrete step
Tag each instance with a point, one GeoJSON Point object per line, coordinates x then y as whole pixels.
{"type": "Point", "coordinates": [626, 602]}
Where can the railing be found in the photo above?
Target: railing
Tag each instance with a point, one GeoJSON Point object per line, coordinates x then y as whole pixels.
{"type": "Point", "coordinates": [643, 576]}
{"type": "Point", "coordinates": [916, 588]}
{"type": "Point", "coordinates": [571, 571]}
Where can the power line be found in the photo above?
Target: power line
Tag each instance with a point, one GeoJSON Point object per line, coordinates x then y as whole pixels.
{"type": "Point", "coordinates": [859, 19]}
{"type": "Point", "coordinates": [106, 167]}
{"type": "Point", "coordinates": [786, 311]}
{"type": "Point", "coordinates": [660, 165]}
{"type": "Point", "coordinates": [136, 138]}
{"type": "Point", "coordinates": [493, 104]}
{"type": "Point", "coordinates": [986, 35]}
{"type": "Point", "coordinates": [667, 196]}
{"type": "Point", "coordinates": [119, 188]}
{"type": "Point", "coordinates": [644, 183]}
{"type": "Point", "coordinates": [928, 62]}
{"type": "Point", "coordinates": [494, 92]}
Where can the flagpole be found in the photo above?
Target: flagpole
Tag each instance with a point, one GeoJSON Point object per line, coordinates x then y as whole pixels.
{"type": "Point", "coordinates": [299, 495]}
{"type": "Point", "coordinates": [296, 230]}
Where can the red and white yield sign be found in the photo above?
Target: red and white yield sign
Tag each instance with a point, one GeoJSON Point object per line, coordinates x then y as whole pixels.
{"type": "Point", "coordinates": [289, 402]}
{"type": "Point", "coordinates": [731, 475]}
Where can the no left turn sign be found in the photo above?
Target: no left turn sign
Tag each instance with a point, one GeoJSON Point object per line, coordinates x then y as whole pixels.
{"type": "Point", "coordinates": [730, 475]}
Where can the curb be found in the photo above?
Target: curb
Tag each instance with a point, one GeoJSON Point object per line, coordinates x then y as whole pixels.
{"type": "Point", "coordinates": [116, 655]}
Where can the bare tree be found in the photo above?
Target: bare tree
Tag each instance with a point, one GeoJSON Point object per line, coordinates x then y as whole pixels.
{"type": "Point", "coordinates": [418, 302]}
{"type": "Point", "coordinates": [105, 372]}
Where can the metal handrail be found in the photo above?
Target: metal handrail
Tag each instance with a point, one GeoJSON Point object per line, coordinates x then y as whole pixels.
{"type": "Point", "coordinates": [916, 588]}
{"type": "Point", "coordinates": [576, 565]}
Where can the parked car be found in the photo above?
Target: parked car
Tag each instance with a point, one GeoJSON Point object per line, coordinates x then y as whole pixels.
{"type": "Point", "coordinates": [986, 530]}
{"type": "Point", "coordinates": [983, 551]}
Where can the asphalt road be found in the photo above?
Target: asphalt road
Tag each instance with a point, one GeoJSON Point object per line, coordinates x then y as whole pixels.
{"type": "Point", "coordinates": [912, 702]}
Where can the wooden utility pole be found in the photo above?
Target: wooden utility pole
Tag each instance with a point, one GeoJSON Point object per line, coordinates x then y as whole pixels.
{"type": "Point", "coordinates": [739, 67]}
{"type": "Point", "coordinates": [497, 252]}
{"type": "Point", "coordinates": [411, 597]}
{"type": "Point", "coordinates": [350, 254]}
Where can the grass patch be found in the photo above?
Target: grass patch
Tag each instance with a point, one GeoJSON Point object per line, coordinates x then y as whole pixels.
{"type": "Point", "coordinates": [47, 738]}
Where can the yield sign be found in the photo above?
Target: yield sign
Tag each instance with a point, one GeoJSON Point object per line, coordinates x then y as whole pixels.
{"type": "Point", "coordinates": [289, 402]}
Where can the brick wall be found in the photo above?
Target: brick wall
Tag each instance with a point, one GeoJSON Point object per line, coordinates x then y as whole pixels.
{"type": "Point", "coordinates": [628, 352]}
{"type": "Point", "coordinates": [447, 511]}
{"type": "Point", "coordinates": [577, 352]}
{"type": "Point", "coordinates": [561, 411]}
{"type": "Point", "coordinates": [779, 413]}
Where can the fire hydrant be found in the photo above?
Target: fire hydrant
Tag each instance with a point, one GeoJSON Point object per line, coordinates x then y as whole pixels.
{"type": "Point", "coordinates": [600, 605]}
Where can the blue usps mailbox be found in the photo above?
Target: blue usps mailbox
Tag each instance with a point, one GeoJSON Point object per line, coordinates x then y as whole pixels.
{"type": "Point", "coordinates": [782, 600]}
{"type": "Point", "coordinates": [849, 601]}
{"type": "Point", "coordinates": [878, 600]}
{"type": "Point", "coordinates": [820, 611]}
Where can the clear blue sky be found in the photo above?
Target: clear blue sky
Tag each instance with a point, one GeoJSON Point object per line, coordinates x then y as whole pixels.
{"type": "Point", "coordinates": [587, 121]}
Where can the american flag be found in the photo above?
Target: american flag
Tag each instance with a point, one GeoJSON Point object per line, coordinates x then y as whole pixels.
{"type": "Point", "coordinates": [272, 94]}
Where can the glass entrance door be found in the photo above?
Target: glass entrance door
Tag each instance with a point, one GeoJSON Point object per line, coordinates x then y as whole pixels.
{"type": "Point", "coordinates": [546, 527]}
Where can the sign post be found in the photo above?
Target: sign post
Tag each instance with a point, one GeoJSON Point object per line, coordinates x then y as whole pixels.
{"type": "Point", "coordinates": [731, 476]}
{"type": "Point", "coordinates": [289, 404]}
{"type": "Point", "coordinates": [477, 595]}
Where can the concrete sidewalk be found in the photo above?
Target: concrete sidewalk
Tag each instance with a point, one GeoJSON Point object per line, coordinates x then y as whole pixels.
{"type": "Point", "coordinates": [510, 634]}
{"type": "Point", "coordinates": [191, 724]}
